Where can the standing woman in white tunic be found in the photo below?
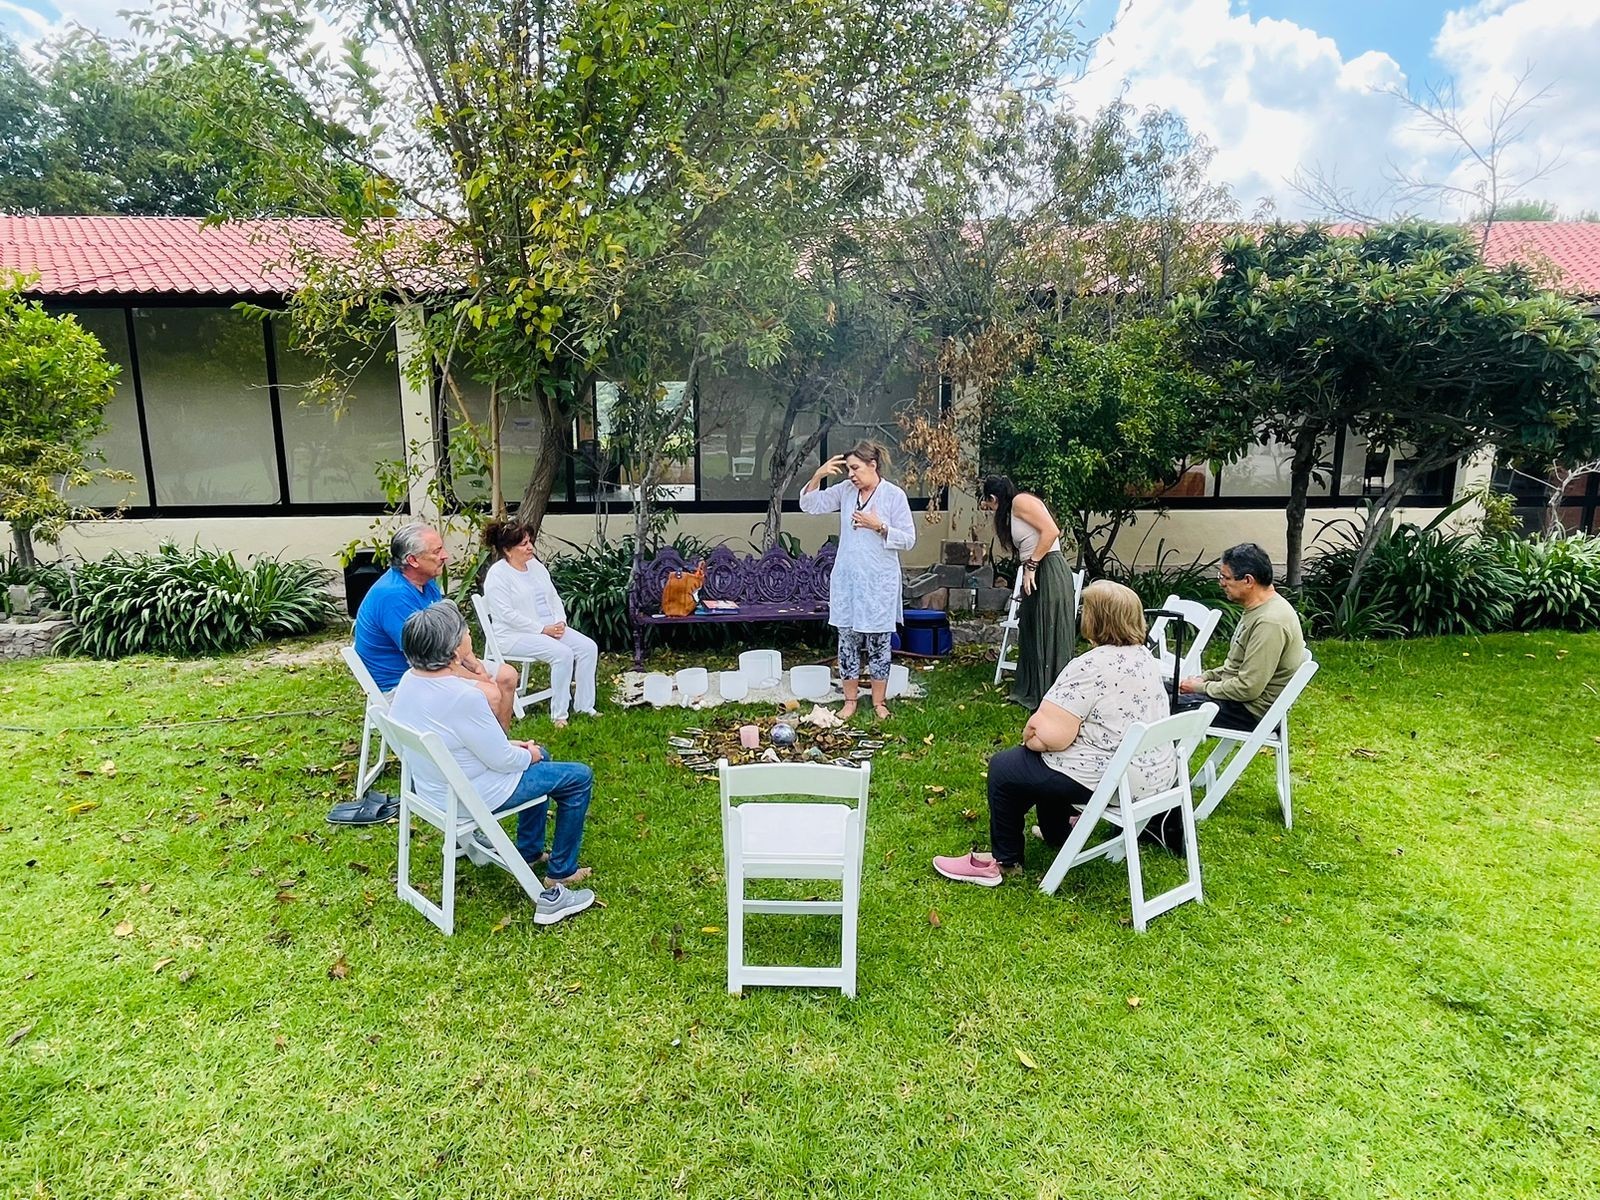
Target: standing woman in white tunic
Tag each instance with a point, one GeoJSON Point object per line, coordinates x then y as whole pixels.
{"type": "Point", "coordinates": [531, 621]}
{"type": "Point", "coordinates": [864, 593]}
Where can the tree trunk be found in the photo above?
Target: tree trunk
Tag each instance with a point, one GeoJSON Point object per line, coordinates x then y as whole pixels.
{"type": "Point", "coordinates": [22, 539]}
{"type": "Point", "coordinates": [1305, 461]}
{"type": "Point", "coordinates": [497, 483]}
{"type": "Point", "coordinates": [552, 452]}
{"type": "Point", "coordinates": [1378, 519]}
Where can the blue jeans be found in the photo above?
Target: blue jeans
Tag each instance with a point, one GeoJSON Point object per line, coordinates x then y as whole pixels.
{"type": "Point", "coordinates": [570, 785]}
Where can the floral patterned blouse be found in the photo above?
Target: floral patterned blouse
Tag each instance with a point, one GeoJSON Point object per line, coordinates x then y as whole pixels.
{"type": "Point", "coordinates": [1109, 689]}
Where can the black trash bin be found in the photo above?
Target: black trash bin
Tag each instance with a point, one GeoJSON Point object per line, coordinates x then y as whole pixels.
{"type": "Point", "coordinates": [359, 576]}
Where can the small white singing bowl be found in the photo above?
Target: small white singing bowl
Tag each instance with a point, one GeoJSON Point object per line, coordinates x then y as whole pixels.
{"type": "Point", "coordinates": [809, 683]}
{"type": "Point", "coordinates": [732, 685]}
{"type": "Point", "coordinates": [658, 689]}
{"type": "Point", "coordinates": [694, 681]}
{"type": "Point", "coordinates": [761, 668]}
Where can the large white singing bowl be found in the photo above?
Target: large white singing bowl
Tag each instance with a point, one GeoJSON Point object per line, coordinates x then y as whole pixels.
{"type": "Point", "coordinates": [809, 683]}
{"type": "Point", "coordinates": [761, 668]}
{"type": "Point", "coordinates": [899, 680]}
{"type": "Point", "coordinates": [694, 681]}
{"type": "Point", "coordinates": [658, 688]}
{"type": "Point", "coordinates": [732, 685]}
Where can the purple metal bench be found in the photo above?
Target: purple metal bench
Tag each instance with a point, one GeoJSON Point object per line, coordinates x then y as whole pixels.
{"type": "Point", "coordinates": [776, 586]}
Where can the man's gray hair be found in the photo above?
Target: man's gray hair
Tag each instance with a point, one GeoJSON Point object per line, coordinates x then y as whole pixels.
{"type": "Point", "coordinates": [407, 540]}
{"type": "Point", "coordinates": [430, 636]}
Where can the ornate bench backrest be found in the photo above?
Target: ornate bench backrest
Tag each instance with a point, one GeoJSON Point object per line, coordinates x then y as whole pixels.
{"type": "Point", "coordinates": [774, 578]}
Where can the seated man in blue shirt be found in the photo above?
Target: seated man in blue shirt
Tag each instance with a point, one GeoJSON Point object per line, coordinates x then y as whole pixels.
{"type": "Point", "coordinates": [416, 558]}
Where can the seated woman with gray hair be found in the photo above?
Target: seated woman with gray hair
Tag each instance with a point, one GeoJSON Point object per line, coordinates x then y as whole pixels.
{"type": "Point", "coordinates": [431, 698]}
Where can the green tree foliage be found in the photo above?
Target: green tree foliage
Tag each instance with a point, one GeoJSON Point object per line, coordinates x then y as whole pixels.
{"type": "Point", "coordinates": [615, 181]}
{"type": "Point", "coordinates": [54, 385]}
{"type": "Point", "coordinates": [87, 127]}
{"type": "Point", "coordinates": [1096, 428]}
{"type": "Point", "coordinates": [1403, 335]}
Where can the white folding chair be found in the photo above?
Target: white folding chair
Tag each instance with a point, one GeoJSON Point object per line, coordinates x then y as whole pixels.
{"type": "Point", "coordinates": [1203, 620]}
{"type": "Point", "coordinates": [1235, 749]}
{"type": "Point", "coordinates": [793, 840]}
{"type": "Point", "coordinates": [371, 765]}
{"type": "Point", "coordinates": [463, 813]}
{"type": "Point", "coordinates": [1113, 801]}
{"type": "Point", "coordinates": [524, 699]}
{"type": "Point", "coordinates": [1011, 626]}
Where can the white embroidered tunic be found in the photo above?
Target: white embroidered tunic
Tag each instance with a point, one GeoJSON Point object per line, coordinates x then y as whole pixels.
{"type": "Point", "coordinates": [865, 591]}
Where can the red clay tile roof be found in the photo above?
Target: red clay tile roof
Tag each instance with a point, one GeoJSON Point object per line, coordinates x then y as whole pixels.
{"type": "Point", "coordinates": [180, 256]}
{"type": "Point", "coordinates": [159, 255]}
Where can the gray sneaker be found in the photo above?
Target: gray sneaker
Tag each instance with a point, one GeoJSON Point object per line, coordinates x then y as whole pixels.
{"type": "Point", "coordinates": [479, 852]}
{"type": "Point", "coordinates": [557, 903]}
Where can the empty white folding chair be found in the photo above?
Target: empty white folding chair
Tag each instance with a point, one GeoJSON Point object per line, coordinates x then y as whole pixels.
{"type": "Point", "coordinates": [1012, 625]}
{"type": "Point", "coordinates": [463, 813]}
{"type": "Point", "coordinates": [1236, 747]}
{"type": "Point", "coordinates": [793, 839]}
{"type": "Point", "coordinates": [492, 652]}
{"type": "Point", "coordinates": [371, 765]}
{"type": "Point", "coordinates": [1113, 801]}
{"type": "Point", "coordinates": [1201, 619]}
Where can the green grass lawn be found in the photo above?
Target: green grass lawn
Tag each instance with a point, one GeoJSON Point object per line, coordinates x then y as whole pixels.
{"type": "Point", "coordinates": [1397, 998]}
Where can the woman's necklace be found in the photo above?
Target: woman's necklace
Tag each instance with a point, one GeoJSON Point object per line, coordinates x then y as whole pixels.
{"type": "Point", "coordinates": [863, 501]}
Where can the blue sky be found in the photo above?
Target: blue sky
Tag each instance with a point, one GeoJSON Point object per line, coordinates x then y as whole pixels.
{"type": "Point", "coordinates": [1284, 85]}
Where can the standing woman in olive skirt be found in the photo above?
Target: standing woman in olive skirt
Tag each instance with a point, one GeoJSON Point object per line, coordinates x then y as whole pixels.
{"type": "Point", "coordinates": [1047, 613]}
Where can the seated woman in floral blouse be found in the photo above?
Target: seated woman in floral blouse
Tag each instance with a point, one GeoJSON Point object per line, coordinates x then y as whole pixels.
{"type": "Point", "coordinates": [1072, 737]}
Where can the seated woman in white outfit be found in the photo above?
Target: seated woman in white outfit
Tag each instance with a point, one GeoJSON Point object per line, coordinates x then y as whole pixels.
{"type": "Point", "coordinates": [531, 622]}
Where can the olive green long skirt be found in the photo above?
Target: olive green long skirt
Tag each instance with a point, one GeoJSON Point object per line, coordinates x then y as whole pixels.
{"type": "Point", "coordinates": [1047, 633]}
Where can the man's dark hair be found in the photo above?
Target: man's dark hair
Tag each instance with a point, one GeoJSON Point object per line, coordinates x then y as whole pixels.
{"type": "Point", "coordinates": [1247, 558]}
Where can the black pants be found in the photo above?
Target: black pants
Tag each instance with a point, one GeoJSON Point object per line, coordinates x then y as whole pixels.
{"type": "Point", "coordinates": [1230, 713]}
{"type": "Point", "coordinates": [1020, 780]}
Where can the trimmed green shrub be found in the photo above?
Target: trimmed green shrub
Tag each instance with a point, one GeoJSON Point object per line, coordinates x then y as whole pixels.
{"type": "Point", "coordinates": [191, 602]}
{"type": "Point", "coordinates": [1558, 580]}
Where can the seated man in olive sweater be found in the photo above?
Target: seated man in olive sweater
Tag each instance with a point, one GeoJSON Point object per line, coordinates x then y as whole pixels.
{"type": "Point", "coordinates": [1267, 647]}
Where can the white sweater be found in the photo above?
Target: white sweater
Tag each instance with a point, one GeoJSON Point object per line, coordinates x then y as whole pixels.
{"type": "Point", "coordinates": [525, 601]}
{"type": "Point", "coordinates": [459, 713]}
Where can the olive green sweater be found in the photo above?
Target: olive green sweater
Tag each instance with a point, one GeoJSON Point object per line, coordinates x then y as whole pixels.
{"type": "Point", "coordinates": [1267, 648]}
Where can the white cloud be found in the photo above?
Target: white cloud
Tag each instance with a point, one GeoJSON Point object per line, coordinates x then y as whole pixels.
{"type": "Point", "coordinates": [1274, 96]}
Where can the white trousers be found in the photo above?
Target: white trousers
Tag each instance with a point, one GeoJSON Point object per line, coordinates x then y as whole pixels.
{"type": "Point", "coordinates": [572, 654]}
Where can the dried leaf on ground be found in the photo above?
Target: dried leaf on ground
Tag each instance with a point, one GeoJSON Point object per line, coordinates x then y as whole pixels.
{"type": "Point", "coordinates": [1025, 1058]}
{"type": "Point", "coordinates": [502, 924]}
{"type": "Point", "coordinates": [83, 806]}
{"type": "Point", "coordinates": [933, 918]}
{"type": "Point", "coordinates": [123, 929]}
{"type": "Point", "coordinates": [18, 1034]}
{"type": "Point", "coordinates": [161, 964]}
{"type": "Point", "coordinates": [1135, 1001]}
{"type": "Point", "coordinates": [340, 968]}
{"type": "Point", "coordinates": [108, 767]}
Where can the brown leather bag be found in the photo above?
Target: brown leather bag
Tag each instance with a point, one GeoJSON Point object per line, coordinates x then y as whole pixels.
{"type": "Point", "coordinates": [679, 596]}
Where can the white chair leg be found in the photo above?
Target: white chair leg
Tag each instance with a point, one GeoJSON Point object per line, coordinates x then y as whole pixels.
{"type": "Point", "coordinates": [1284, 801]}
{"type": "Point", "coordinates": [1130, 846]}
{"type": "Point", "coordinates": [847, 938]}
{"type": "Point", "coordinates": [735, 877]}
{"type": "Point", "coordinates": [366, 754]}
{"type": "Point", "coordinates": [1191, 849]}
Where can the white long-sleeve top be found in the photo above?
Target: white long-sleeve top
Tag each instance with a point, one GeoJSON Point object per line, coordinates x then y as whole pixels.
{"type": "Point", "coordinates": [525, 601]}
{"type": "Point", "coordinates": [459, 713]}
{"type": "Point", "coordinates": [864, 593]}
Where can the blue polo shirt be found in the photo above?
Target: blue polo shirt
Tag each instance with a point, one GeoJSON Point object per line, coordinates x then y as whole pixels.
{"type": "Point", "coordinates": [380, 618]}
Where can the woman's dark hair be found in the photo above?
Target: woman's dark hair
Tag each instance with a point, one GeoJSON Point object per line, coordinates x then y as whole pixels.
{"type": "Point", "coordinates": [1004, 492]}
{"type": "Point", "coordinates": [502, 534]}
{"type": "Point", "coordinates": [1247, 558]}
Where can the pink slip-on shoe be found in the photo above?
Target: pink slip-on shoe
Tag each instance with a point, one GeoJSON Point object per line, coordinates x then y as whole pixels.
{"type": "Point", "coordinates": [965, 868]}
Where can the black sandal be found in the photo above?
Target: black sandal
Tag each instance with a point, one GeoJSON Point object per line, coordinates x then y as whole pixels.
{"type": "Point", "coordinates": [372, 809]}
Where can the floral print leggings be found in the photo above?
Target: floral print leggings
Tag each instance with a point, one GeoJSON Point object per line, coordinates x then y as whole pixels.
{"type": "Point", "coordinates": [850, 643]}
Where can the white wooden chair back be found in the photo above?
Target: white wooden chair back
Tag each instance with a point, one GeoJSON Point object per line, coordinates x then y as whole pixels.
{"type": "Point", "coordinates": [493, 652]}
{"type": "Point", "coordinates": [1235, 749]}
{"type": "Point", "coordinates": [1113, 801]}
{"type": "Point", "coordinates": [1197, 616]}
{"type": "Point", "coordinates": [1011, 626]}
{"type": "Point", "coordinates": [793, 838]}
{"type": "Point", "coordinates": [462, 813]}
{"type": "Point", "coordinates": [371, 763]}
